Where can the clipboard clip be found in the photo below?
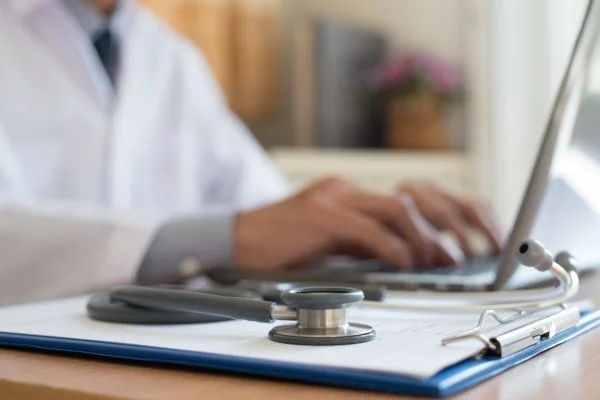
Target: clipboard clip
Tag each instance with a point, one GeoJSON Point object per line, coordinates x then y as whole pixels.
{"type": "Point", "coordinates": [501, 343]}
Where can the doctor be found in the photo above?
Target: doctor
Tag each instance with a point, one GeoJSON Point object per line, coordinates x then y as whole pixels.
{"type": "Point", "coordinates": [120, 161]}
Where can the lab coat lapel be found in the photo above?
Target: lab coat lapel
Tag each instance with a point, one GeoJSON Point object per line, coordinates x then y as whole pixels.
{"type": "Point", "coordinates": [65, 42]}
{"type": "Point", "coordinates": [157, 150]}
{"type": "Point", "coordinates": [133, 110]}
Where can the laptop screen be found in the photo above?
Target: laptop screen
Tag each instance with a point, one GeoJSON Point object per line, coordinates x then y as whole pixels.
{"type": "Point", "coordinates": [561, 207]}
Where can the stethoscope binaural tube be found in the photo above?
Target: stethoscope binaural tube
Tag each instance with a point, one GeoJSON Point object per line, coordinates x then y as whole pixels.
{"type": "Point", "coordinates": [563, 268]}
{"type": "Point", "coordinates": [531, 254]}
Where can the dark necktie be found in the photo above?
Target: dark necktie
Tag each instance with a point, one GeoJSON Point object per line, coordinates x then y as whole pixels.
{"type": "Point", "coordinates": [106, 46]}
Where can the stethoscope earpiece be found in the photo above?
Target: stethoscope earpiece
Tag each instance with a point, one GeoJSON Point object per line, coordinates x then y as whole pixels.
{"type": "Point", "coordinates": [533, 254]}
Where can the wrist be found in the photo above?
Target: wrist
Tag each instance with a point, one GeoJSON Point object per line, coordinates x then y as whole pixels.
{"type": "Point", "coordinates": [204, 240]}
{"type": "Point", "coordinates": [243, 241]}
{"type": "Point", "coordinates": [251, 245]}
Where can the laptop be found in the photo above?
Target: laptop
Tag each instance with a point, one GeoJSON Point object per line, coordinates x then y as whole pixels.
{"type": "Point", "coordinates": [560, 207]}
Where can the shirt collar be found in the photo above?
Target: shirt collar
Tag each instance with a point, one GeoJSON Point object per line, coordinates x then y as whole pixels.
{"type": "Point", "coordinates": [94, 22]}
{"type": "Point", "coordinates": [118, 24]}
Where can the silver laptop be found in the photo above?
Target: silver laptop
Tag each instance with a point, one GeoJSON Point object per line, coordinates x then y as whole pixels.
{"type": "Point", "coordinates": [561, 206]}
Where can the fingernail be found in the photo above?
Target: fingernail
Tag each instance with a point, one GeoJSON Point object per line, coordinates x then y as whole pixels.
{"type": "Point", "coordinates": [453, 250]}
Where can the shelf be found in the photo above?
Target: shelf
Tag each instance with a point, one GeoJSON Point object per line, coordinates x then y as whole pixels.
{"type": "Point", "coordinates": [376, 169]}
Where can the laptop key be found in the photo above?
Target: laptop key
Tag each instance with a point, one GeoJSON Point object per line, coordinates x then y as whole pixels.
{"type": "Point", "coordinates": [470, 266]}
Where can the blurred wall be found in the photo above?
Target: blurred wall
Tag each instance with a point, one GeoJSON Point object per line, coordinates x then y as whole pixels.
{"type": "Point", "coordinates": [434, 25]}
{"type": "Point", "coordinates": [431, 24]}
{"type": "Point", "coordinates": [240, 41]}
{"type": "Point", "coordinates": [528, 47]}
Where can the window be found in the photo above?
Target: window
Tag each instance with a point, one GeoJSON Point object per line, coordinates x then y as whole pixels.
{"type": "Point", "coordinates": [517, 54]}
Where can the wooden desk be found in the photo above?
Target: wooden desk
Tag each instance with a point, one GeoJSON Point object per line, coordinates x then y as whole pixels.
{"type": "Point", "coordinates": [570, 371]}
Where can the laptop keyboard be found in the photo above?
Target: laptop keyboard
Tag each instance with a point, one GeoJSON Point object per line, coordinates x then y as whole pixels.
{"type": "Point", "coordinates": [474, 265]}
{"type": "Point", "coordinates": [471, 266]}
{"type": "Point", "coordinates": [475, 274]}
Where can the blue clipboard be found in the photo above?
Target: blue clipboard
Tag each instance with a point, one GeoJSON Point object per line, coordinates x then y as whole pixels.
{"type": "Point", "coordinates": [449, 381]}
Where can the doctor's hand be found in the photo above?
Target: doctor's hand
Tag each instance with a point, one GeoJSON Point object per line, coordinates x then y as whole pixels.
{"type": "Point", "coordinates": [331, 217]}
{"type": "Point", "coordinates": [451, 213]}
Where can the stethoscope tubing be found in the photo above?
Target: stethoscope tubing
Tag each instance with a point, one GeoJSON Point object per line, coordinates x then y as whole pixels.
{"type": "Point", "coordinates": [440, 302]}
{"type": "Point", "coordinates": [379, 294]}
{"type": "Point", "coordinates": [317, 300]}
{"type": "Point", "coordinates": [266, 311]}
{"type": "Point", "coordinates": [196, 302]}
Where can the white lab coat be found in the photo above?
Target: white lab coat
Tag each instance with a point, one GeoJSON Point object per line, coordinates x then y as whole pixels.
{"type": "Point", "coordinates": [86, 177]}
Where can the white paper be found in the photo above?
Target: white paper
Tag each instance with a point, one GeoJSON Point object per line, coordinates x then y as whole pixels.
{"type": "Point", "coordinates": [407, 343]}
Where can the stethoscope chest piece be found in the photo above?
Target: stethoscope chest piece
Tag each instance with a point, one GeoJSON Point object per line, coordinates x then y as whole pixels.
{"type": "Point", "coordinates": [322, 318]}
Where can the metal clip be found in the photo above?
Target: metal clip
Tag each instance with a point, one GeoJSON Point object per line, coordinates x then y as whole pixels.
{"type": "Point", "coordinates": [532, 332]}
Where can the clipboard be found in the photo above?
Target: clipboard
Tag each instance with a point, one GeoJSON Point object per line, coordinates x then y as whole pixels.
{"type": "Point", "coordinates": [449, 381]}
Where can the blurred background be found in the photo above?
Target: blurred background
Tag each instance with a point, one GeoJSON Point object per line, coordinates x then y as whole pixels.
{"type": "Point", "coordinates": [455, 91]}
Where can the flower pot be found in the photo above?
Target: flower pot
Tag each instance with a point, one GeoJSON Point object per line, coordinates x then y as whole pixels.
{"type": "Point", "coordinates": [416, 123]}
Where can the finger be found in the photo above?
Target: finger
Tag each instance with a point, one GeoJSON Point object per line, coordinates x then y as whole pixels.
{"type": "Point", "coordinates": [448, 219]}
{"type": "Point", "coordinates": [444, 252]}
{"type": "Point", "coordinates": [354, 250]}
{"type": "Point", "coordinates": [331, 184]}
{"type": "Point", "coordinates": [485, 224]}
{"type": "Point", "coordinates": [402, 216]}
{"type": "Point", "coordinates": [440, 212]}
{"type": "Point", "coordinates": [350, 226]}
{"type": "Point", "coordinates": [481, 218]}
{"type": "Point", "coordinates": [448, 253]}
{"type": "Point", "coordinates": [444, 212]}
{"type": "Point", "coordinates": [420, 232]}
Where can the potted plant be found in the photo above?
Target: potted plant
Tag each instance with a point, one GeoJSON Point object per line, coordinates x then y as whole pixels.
{"type": "Point", "coordinates": [415, 88]}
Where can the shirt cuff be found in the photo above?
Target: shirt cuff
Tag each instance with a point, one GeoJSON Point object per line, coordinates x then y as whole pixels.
{"type": "Point", "coordinates": [187, 246]}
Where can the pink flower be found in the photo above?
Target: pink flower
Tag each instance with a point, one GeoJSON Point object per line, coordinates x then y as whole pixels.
{"type": "Point", "coordinates": [441, 76]}
{"type": "Point", "coordinates": [393, 73]}
{"type": "Point", "coordinates": [416, 68]}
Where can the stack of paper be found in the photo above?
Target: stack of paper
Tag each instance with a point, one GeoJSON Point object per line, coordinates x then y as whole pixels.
{"type": "Point", "coordinates": [407, 343]}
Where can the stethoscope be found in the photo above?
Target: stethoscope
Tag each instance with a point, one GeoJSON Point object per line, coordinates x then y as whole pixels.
{"type": "Point", "coordinates": [321, 312]}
